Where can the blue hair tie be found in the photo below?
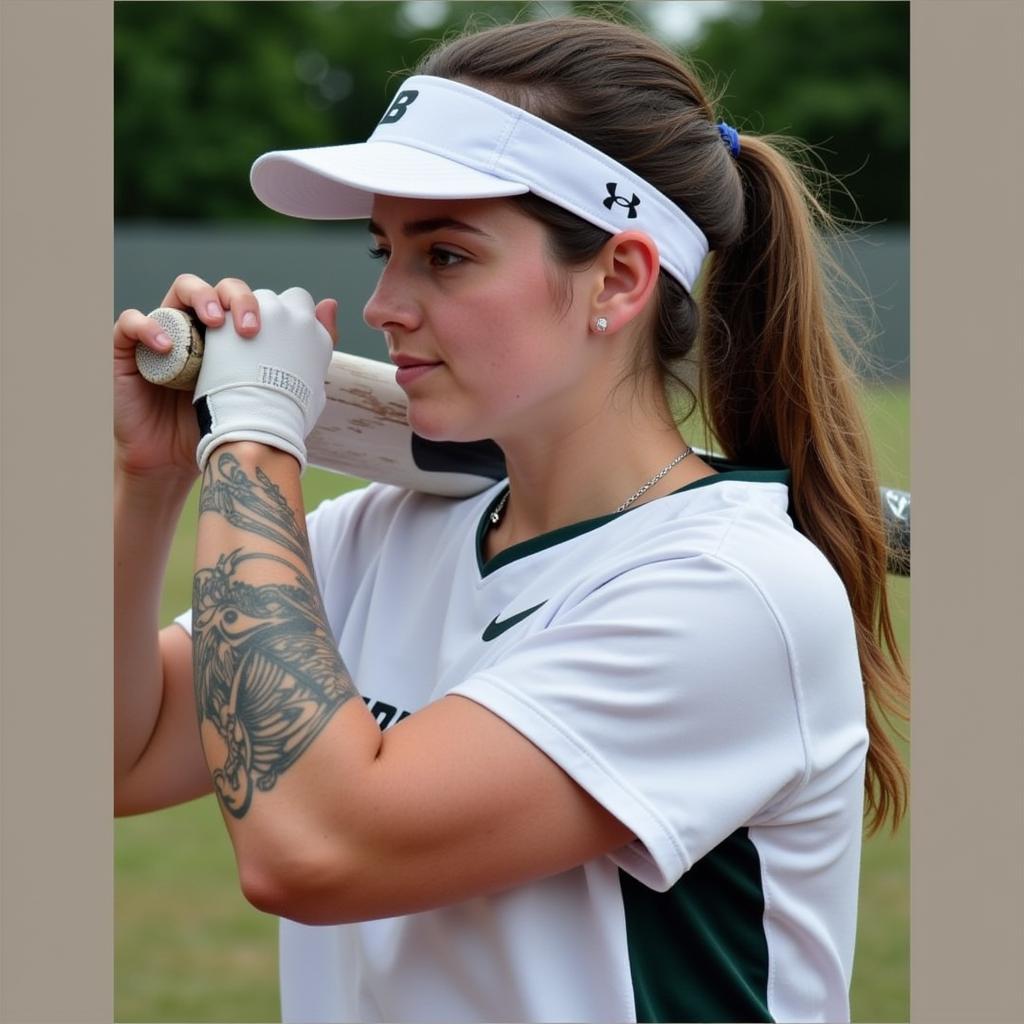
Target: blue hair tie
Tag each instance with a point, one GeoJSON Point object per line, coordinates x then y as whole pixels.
{"type": "Point", "coordinates": [731, 136]}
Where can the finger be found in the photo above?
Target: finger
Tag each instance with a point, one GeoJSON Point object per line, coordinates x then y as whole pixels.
{"type": "Point", "coordinates": [191, 292]}
{"type": "Point", "coordinates": [327, 314]}
{"type": "Point", "coordinates": [133, 327]}
{"type": "Point", "coordinates": [235, 295]}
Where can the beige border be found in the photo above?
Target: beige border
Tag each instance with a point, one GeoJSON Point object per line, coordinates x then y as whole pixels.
{"type": "Point", "coordinates": [966, 223]}
{"type": "Point", "coordinates": [56, 872]}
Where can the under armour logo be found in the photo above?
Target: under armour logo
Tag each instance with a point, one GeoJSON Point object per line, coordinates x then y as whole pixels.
{"type": "Point", "coordinates": [400, 105]}
{"type": "Point", "coordinates": [613, 199]}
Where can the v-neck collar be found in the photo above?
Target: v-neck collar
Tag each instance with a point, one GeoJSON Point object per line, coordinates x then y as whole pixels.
{"type": "Point", "coordinates": [728, 471]}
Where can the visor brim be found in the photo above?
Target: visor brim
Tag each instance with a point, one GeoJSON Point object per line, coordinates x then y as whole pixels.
{"type": "Point", "coordinates": [339, 182]}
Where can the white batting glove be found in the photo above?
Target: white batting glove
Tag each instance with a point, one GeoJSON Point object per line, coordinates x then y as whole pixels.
{"type": "Point", "coordinates": [269, 388]}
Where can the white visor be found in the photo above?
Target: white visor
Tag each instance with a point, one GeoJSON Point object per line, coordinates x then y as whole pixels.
{"type": "Point", "coordinates": [440, 139]}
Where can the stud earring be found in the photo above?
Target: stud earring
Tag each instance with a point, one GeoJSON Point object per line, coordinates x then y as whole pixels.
{"type": "Point", "coordinates": [601, 324]}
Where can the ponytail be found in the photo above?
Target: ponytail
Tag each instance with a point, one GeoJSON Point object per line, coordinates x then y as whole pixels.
{"type": "Point", "coordinates": [776, 390]}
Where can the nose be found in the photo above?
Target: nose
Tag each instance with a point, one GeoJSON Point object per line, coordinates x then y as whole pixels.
{"type": "Point", "coordinates": [390, 306]}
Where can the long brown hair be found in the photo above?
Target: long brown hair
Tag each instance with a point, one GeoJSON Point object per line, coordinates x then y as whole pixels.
{"type": "Point", "coordinates": [775, 387]}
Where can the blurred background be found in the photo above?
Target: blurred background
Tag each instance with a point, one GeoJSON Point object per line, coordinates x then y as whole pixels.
{"type": "Point", "coordinates": [202, 89]}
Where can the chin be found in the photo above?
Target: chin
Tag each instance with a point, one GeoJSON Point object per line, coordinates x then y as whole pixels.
{"type": "Point", "coordinates": [435, 426]}
{"type": "Point", "coordinates": [450, 436]}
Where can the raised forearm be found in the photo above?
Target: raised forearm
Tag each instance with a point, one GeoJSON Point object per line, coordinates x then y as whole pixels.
{"type": "Point", "coordinates": [146, 512]}
{"type": "Point", "coordinates": [268, 676]}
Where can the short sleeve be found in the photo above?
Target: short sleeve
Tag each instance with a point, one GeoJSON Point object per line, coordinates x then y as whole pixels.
{"type": "Point", "coordinates": [669, 694]}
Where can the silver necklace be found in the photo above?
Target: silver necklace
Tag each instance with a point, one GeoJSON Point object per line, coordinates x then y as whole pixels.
{"type": "Point", "coordinates": [496, 514]}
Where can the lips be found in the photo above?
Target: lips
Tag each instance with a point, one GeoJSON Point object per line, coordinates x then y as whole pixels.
{"type": "Point", "coordinates": [404, 361]}
{"type": "Point", "coordinates": [411, 368]}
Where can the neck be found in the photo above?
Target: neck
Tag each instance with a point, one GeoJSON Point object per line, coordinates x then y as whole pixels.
{"type": "Point", "coordinates": [557, 478]}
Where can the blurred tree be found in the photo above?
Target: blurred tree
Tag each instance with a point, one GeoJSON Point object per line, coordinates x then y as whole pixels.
{"type": "Point", "coordinates": [836, 75]}
{"type": "Point", "coordinates": [202, 89]}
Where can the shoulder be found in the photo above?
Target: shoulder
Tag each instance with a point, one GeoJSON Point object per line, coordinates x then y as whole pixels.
{"type": "Point", "coordinates": [751, 534]}
{"type": "Point", "coordinates": [729, 555]}
{"type": "Point", "coordinates": [740, 523]}
{"type": "Point", "coordinates": [760, 585]}
{"type": "Point", "coordinates": [746, 525]}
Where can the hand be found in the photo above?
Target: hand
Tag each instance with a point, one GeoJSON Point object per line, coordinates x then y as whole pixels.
{"type": "Point", "coordinates": [268, 389]}
{"type": "Point", "coordinates": [155, 428]}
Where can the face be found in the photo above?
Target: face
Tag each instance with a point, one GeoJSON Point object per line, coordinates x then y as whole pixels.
{"type": "Point", "coordinates": [487, 342]}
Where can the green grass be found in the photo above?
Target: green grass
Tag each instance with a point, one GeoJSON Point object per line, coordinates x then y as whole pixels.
{"type": "Point", "coordinates": [189, 948]}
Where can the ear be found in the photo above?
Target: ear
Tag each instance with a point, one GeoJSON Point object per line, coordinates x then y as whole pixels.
{"type": "Point", "coordinates": [626, 273]}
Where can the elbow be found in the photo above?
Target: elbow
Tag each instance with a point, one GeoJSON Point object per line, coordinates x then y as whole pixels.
{"type": "Point", "coordinates": [263, 891]}
{"type": "Point", "coordinates": [314, 890]}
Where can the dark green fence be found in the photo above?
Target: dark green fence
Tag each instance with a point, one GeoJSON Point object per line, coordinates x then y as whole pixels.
{"type": "Point", "coordinates": [330, 260]}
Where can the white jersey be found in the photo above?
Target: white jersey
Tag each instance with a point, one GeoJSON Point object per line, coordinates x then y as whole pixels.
{"type": "Point", "coordinates": [692, 664]}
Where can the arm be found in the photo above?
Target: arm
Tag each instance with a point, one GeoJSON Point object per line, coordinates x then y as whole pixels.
{"type": "Point", "coordinates": [331, 820]}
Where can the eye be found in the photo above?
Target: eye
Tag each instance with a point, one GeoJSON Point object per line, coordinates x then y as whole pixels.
{"type": "Point", "coordinates": [443, 258]}
{"type": "Point", "coordinates": [379, 253]}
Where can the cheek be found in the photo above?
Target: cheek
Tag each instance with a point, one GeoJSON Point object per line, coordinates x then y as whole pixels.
{"type": "Point", "coordinates": [516, 327]}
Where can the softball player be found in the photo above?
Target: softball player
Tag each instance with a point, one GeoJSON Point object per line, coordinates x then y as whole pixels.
{"type": "Point", "coordinates": [592, 745]}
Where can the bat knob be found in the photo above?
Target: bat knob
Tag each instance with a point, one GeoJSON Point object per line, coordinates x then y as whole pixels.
{"type": "Point", "coordinates": [179, 367]}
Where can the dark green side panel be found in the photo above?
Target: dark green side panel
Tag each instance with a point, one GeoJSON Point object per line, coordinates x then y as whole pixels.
{"type": "Point", "coordinates": [698, 952]}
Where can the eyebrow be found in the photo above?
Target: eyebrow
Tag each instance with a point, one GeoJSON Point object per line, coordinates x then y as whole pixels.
{"type": "Point", "coordinates": [425, 227]}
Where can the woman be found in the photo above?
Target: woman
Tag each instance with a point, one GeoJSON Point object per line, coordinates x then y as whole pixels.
{"type": "Point", "coordinates": [629, 708]}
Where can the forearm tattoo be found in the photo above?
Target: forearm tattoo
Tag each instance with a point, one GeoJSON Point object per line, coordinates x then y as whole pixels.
{"type": "Point", "coordinates": [257, 507]}
{"type": "Point", "coordinates": [268, 675]}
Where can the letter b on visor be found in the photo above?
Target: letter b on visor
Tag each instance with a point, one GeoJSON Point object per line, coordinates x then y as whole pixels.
{"type": "Point", "coordinates": [397, 109]}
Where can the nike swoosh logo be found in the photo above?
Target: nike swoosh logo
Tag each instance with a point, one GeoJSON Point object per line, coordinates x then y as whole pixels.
{"type": "Point", "coordinates": [496, 628]}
